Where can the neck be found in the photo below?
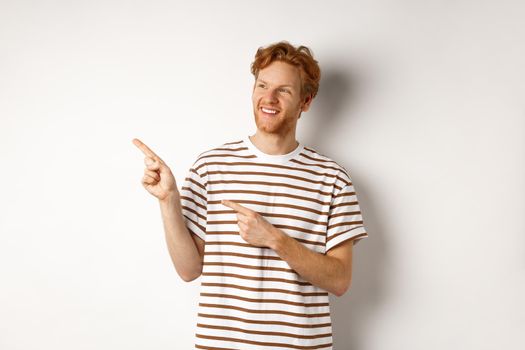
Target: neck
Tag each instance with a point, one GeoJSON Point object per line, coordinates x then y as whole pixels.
{"type": "Point", "coordinates": [274, 144]}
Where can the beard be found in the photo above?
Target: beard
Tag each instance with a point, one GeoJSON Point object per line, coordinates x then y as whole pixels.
{"type": "Point", "coordinates": [281, 124]}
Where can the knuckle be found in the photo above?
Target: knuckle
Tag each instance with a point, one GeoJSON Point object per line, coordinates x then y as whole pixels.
{"type": "Point", "coordinates": [149, 179]}
{"type": "Point", "coordinates": [153, 174]}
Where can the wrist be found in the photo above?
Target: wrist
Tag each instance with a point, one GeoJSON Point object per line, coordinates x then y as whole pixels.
{"type": "Point", "coordinates": [171, 200]}
{"type": "Point", "coordinates": [278, 240]}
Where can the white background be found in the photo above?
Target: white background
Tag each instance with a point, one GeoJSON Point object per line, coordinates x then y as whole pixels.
{"type": "Point", "coordinates": [422, 102]}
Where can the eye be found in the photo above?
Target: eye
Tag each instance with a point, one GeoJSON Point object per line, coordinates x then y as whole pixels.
{"type": "Point", "coordinates": [284, 90]}
{"type": "Point", "coordinates": [261, 85]}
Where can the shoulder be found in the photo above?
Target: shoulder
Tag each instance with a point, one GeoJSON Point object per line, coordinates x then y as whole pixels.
{"type": "Point", "coordinates": [221, 150]}
{"type": "Point", "coordinates": [329, 165]}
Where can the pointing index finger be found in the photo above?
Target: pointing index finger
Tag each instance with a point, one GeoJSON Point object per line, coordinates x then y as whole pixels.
{"type": "Point", "coordinates": [145, 149]}
{"type": "Point", "coordinates": [235, 206]}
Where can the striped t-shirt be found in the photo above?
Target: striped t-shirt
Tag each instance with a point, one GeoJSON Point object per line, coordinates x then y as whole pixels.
{"type": "Point", "coordinates": [249, 297]}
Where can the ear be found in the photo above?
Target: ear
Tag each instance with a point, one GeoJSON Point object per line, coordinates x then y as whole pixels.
{"type": "Point", "coordinates": [306, 104]}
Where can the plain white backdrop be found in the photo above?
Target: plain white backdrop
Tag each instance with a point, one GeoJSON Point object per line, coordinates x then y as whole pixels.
{"type": "Point", "coordinates": [422, 101]}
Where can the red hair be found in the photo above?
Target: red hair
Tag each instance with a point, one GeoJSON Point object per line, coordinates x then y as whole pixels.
{"type": "Point", "coordinates": [300, 57]}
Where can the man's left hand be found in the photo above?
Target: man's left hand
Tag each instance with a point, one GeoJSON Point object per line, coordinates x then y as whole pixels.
{"type": "Point", "coordinates": [253, 227]}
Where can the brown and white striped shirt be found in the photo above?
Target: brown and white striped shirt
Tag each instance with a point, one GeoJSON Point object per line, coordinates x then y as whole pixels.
{"type": "Point", "coordinates": [249, 297]}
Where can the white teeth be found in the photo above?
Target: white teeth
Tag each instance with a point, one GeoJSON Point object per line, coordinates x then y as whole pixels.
{"type": "Point", "coordinates": [265, 110]}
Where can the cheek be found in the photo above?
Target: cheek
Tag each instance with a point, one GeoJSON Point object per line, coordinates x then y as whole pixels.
{"type": "Point", "coordinates": [296, 104]}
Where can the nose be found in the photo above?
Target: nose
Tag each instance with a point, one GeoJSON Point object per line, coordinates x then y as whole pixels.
{"type": "Point", "coordinates": [271, 96]}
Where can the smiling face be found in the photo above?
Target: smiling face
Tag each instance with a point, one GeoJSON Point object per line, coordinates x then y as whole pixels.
{"type": "Point", "coordinates": [276, 98]}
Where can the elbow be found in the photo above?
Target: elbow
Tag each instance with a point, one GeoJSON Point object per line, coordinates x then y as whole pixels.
{"type": "Point", "coordinates": [189, 277]}
{"type": "Point", "coordinates": [343, 282]}
{"type": "Point", "coordinates": [342, 288]}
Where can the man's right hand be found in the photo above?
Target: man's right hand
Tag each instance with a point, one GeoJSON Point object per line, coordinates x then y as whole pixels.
{"type": "Point", "coordinates": [158, 178]}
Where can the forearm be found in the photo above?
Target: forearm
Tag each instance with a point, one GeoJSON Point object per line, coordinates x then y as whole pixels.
{"type": "Point", "coordinates": [320, 270]}
{"type": "Point", "coordinates": [183, 251]}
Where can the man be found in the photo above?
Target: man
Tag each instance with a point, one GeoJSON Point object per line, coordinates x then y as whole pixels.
{"type": "Point", "coordinates": [267, 222]}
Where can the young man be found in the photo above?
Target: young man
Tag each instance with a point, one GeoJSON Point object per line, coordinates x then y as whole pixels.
{"type": "Point", "coordinates": [267, 222]}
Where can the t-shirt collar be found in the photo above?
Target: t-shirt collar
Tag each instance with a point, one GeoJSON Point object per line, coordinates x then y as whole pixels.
{"type": "Point", "coordinates": [272, 158]}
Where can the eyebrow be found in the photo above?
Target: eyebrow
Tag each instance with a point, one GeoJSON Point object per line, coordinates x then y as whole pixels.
{"type": "Point", "coordinates": [262, 81]}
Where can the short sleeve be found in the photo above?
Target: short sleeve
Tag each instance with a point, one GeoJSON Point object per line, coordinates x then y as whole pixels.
{"type": "Point", "coordinates": [193, 197]}
{"type": "Point", "coordinates": [345, 221]}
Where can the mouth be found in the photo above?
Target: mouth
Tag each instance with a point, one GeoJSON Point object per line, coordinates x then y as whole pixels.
{"type": "Point", "coordinates": [269, 111]}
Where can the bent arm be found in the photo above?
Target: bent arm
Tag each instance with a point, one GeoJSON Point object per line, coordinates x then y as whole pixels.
{"type": "Point", "coordinates": [186, 250]}
{"type": "Point", "coordinates": [331, 271]}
